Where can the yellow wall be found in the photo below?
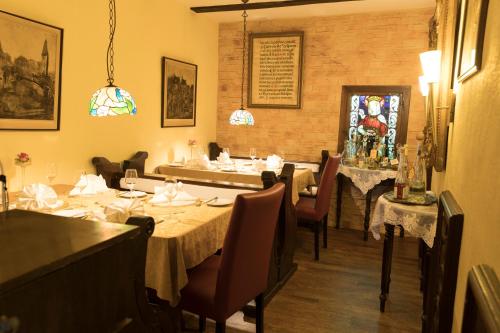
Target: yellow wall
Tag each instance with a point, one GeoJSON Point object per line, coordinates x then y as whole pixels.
{"type": "Point", "coordinates": [146, 31]}
{"type": "Point", "coordinates": [474, 162]}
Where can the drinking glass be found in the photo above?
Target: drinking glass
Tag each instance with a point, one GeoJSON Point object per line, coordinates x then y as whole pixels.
{"type": "Point", "coordinates": [171, 189]}
{"type": "Point", "coordinates": [82, 184]}
{"type": "Point", "coordinates": [253, 153]}
{"type": "Point", "coordinates": [51, 172]}
{"type": "Point", "coordinates": [226, 150]}
{"type": "Point", "coordinates": [131, 179]}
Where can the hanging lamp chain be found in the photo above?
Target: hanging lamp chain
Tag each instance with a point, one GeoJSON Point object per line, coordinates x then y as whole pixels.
{"type": "Point", "coordinates": [111, 52]}
{"type": "Point", "coordinates": [245, 15]}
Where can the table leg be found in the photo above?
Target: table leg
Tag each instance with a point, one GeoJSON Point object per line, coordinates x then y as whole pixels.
{"type": "Point", "coordinates": [368, 204]}
{"type": "Point", "coordinates": [386, 265]}
{"type": "Point", "coordinates": [339, 199]}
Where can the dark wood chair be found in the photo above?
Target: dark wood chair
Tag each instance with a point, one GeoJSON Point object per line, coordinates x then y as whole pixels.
{"type": "Point", "coordinates": [213, 151]}
{"type": "Point", "coordinates": [482, 301]}
{"type": "Point", "coordinates": [317, 175]}
{"type": "Point", "coordinates": [313, 212]}
{"type": "Point", "coordinates": [137, 162]}
{"type": "Point", "coordinates": [440, 280]}
{"type": "Point", "coordinates": [222, 285]}
{"type": "Point", "coordinates": [112, 172]}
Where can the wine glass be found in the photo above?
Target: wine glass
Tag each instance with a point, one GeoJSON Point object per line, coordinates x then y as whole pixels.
{"type": "Point", "coordinates": [51, 172]}
{"type": "Point", "coordinates": [171, 190]}
{"type": "Point", "coordinates": [253, 153]}
{"type": "Point", "coordinates": [82, 184]}
{"type": "Point", "coordinates": [131, 179]}
{"type": "Point", "coordinates": [226, 150]}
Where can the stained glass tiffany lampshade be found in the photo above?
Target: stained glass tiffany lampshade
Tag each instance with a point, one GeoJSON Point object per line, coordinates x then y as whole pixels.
{"type": "Point", "coordinates": [242, 116]}
{"type": "Point", "coordinates": [111, 100]}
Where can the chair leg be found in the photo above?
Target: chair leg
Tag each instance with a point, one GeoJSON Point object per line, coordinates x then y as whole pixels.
{"type": "Point", "coordinates": [202, 323]}
{"type": "Point", "coordinates": [316, 240]}
{"type": "Point", "coordinates": [259, 315]}
{"type": "Point", "coordinates": [220, 327]}
{"type": "Point", "coordinates": [325, 231]}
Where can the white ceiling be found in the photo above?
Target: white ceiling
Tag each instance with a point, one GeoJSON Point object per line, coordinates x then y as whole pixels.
{"type": "Point", "coordinates": [342, 8]}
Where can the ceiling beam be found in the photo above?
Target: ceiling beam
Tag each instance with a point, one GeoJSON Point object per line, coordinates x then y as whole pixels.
{"type": "Point", "coordinates": [261, 5]}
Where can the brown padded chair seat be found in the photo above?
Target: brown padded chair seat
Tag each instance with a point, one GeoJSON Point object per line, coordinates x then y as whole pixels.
{"type": "Point", "coordinates": [305, 209]}
{"type": "Point", "coordinates": [201, 287]}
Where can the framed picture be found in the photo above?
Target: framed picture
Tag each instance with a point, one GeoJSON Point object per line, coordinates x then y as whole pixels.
{"type": "Point", "coordinates": [275, 70]}
{"type": "Point", "coordinates": [472, 22]}
{"type": "Point", "coordinates": [178, 100]}
{"type": "Point", "coordinates": [30, 74]}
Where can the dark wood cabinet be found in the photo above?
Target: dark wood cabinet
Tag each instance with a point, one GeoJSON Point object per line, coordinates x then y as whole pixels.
{"type": "Point", "coordinates": [67, 275]}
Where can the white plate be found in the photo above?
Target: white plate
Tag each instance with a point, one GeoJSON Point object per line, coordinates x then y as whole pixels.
{"type": "Point", "coordinates": [220, 202]}
{"type": "Point", "coordinates": [76, 213]}
{"type": "Point", "coordinates": [179, 203]}
{"type": "Point", "coordinates": [134, 194]}
{"type": "Point", "coordinates": [176, 165]}
{"type": "Point", "coordinates": [228, 170]}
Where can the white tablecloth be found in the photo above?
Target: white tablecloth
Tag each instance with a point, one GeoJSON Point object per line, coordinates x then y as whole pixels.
{"type": "Point", "coordinates": [366, 179]}
{"type": "Point", "coordinates": [419, 221]}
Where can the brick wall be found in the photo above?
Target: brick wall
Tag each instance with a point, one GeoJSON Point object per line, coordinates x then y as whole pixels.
{"type": "Point", "coordinates": [364, 49]}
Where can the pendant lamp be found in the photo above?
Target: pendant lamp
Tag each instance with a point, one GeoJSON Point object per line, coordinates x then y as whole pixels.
{"type": "Point", "coordinates": [241, 116]}
{"type": "Point", "coordinates": [111, 100]}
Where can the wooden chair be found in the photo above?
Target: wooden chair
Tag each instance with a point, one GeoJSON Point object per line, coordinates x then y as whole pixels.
{"type": "Point", "coordinates": [440, 280]}
{"type": "Point", "coordinates": [136, 162]}
{"type": "Point", "coordinates": [482, 301]}
{"type": "Point", "coordinates": [213, 151]}
{"type": "Point", "coordinates": [317, 175]}
{"type": "Point", "coordinates": [112, 172]}
{"type": "Point", "coordinates": [314, 212]}
{"type": "Point", "coordinates": [222, 285]}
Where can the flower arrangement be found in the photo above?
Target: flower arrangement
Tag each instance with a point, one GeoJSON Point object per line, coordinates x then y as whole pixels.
{"type": "Point", "coordinates": [22, 159]}
{"type": "Point", "coordinates": [192, 142]}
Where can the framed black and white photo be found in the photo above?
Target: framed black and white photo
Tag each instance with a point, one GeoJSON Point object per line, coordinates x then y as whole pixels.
{"type": "Point", "coordinates": [178, 93]}
{"type": "Point", "coordinates": [30, 74]}
{"type": "Point", "coordinates": [275, 70]}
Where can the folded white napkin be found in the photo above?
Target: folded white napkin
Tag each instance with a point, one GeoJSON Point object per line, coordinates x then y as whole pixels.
{"type": "Point", "coordinates": [273, 161]}
{"type": "Point", "coordinates": [224, 158]}
{"type": "Point", "coordinates": [204, 163]}
{"type": "Point", "coordinates": [160, 195]}
{"type": "Point", "coordinates": [91, 184]}
{"type": "Point", "coordinates": [38, 196]}
{"type": "Point", "coordinates": [120, 210]}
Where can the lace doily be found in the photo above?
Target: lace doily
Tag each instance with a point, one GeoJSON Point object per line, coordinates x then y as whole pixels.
{"type": "Point", "coordinates": [366, 179]}
{"type": "Point", "coordinates": [419, 221]}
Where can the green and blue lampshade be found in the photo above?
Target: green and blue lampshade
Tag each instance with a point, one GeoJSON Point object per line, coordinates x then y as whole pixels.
{"type": "Point", "coordinates": [112, 101]}
{"type": "Point", "coordinates": [241, 117]}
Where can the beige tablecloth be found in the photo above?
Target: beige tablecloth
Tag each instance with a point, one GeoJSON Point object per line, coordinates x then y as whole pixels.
{"type": "Point", "coordinates": [301, 178]}
{"type": "Point", "coordinates": [184, 237]}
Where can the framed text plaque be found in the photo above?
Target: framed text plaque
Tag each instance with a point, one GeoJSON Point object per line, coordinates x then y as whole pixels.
{"type": "Point", "coordinates": [275, 70]}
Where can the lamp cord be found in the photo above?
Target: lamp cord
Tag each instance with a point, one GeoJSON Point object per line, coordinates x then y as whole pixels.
{"type": "Point", "coordinates": [111, 52]}
{"type": "Point", "coordinates": [245, 15]}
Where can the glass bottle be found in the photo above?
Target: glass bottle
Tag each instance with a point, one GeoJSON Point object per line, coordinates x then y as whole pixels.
{"type": "Point", "coordinates": [401, 186]}
{"type": "Point", "coordinates": [418, 182]}
{"type": "Point", "coordinates": [361, 155]}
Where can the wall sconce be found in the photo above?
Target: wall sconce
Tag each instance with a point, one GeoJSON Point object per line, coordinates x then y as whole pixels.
{"type": "Point", "coordinates": [431, 65]}
{"type": "Point", "coordinates": [424, 85]}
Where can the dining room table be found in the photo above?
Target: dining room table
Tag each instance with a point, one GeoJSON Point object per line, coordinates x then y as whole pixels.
{"type": "Point", "coordinates": [243, 172]}
{"type": "Point", "coordinates": [186, 233]}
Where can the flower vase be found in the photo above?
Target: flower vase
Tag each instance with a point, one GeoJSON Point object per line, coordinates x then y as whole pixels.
{"type": "Point", "coordinates": [23, 175]}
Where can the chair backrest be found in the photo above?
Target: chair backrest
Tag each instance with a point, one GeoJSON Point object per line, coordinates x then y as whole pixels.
{"type": "Point", "coordinates": [441, 279]}
{"type": "Point", "coordinates": [137, 162]}
{"type": "Point", "coordinates": [247, 247]}
{"type": "Point", "coordinates": [325, 188]}
{"type": "Point", "coordinates": [110, 171]}
{"type": "Point", "coordinates": [325, 154]}
{"type": "Point", "coordinates": [213, 150]}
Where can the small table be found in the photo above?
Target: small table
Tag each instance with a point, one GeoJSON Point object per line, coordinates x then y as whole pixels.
{"type": "Point", "coordinates": [365, 180]}
{"type": "Point", "coordinates": [418, 221]}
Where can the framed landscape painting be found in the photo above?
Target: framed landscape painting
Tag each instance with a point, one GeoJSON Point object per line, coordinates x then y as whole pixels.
{"type": "Point", "coordinates": [178, 100]}
{"type": "Point", "coordinates": [30, 74]}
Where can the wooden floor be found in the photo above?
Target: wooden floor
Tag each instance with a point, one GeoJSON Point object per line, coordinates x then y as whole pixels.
{"type": "Point", "coordinates": [340, 292]}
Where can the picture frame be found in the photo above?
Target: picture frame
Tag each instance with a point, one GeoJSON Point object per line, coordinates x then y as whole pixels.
{"type": "Point", "coordinates": [30, 74]}
{"type": "Point", "coordinates": [472, 25]}
{"type": "Point", "coordinates": [275, 70]}
{"type": "Point", "coordinates": [178, 93]}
